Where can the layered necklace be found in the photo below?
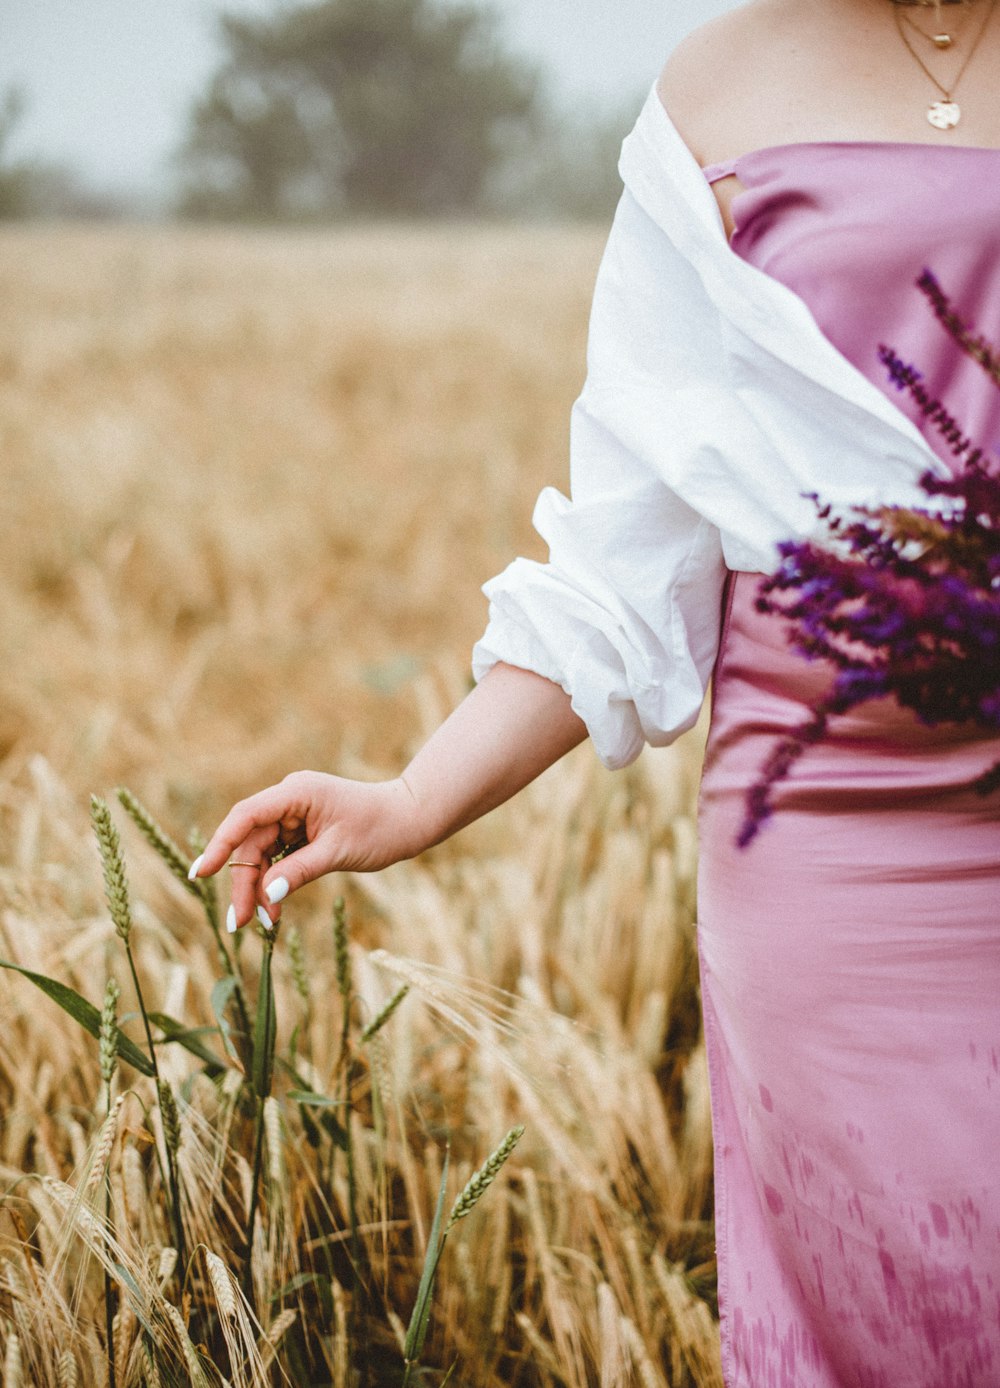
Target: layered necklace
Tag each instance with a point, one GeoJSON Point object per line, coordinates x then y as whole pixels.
{"type": "Point", "coordinates": [945, 113]}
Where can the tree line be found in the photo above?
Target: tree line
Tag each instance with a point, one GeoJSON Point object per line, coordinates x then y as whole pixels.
{"type": "Point", "coordinates": [375, 108]}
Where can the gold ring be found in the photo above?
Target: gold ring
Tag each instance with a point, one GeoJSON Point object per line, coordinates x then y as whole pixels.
{"type": "Point", "coordinates": [235, 862]}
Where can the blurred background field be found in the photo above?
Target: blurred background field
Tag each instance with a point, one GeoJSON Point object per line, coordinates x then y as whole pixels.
{"type": "Point", "coordinates": [254, 480]}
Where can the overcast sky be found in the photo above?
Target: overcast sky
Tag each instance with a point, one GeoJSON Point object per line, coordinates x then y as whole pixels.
{"type": "Point", "coordinates": [109, 82]}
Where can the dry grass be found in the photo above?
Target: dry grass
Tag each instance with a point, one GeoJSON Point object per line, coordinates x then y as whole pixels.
{"type": "Point", "coordinates": [253, 484]}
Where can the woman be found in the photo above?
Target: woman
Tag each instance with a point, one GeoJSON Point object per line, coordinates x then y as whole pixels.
{"type": "Point", "coordinates": [850, 960]}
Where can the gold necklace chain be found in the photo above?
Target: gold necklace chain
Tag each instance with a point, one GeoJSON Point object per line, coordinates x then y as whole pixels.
{"type": "Point", "coordinates": [940, 38]}
{"type": "Point", "coordinates": [944, 114]}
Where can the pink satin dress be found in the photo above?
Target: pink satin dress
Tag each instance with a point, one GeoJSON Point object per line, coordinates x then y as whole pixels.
{"type": "Point", "coordinates": [851, 954]}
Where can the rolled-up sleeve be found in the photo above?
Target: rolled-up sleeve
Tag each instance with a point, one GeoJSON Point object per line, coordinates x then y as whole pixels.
{"type": "Point", "coordinates": [714, 409]}
{"type": "Point", "coordinates": [625, 615]}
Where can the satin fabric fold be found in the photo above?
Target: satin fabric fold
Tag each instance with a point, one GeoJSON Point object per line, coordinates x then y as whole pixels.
{"type": "Point", "coordinates": [851, 954]}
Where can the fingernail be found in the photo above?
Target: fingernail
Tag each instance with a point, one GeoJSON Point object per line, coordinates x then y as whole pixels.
{"type": "Point", "coordinates": [277, 890]}
{"type": "Point", "coordinates": [264, 918]}
{"type": "Point", "coordinates": [193, 869]}
{"type": "Point", "coordinates": [231, 920]}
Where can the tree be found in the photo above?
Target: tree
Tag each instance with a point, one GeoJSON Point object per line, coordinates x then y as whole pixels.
{"type": "Point", "coordinates": [33, 187]}
{"type": "Point", "coordinates": [15, 178]}
{"type": "Point", "coordinates": [380, 107]}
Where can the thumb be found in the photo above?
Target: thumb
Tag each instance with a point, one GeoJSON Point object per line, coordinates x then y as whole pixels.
{"type": "Point", "coordinates": [291, 873]}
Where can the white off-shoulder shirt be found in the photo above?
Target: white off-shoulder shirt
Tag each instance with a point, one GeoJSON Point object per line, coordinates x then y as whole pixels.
{"type": "Point", "coordinates": [713, 406]}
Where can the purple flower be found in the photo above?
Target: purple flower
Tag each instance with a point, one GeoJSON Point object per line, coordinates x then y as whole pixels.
{"type": "Point", "coordinates": [901, 602]}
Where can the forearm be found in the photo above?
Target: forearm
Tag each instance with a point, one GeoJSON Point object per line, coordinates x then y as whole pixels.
{"type": "Point", "coordinates": [508, 730]}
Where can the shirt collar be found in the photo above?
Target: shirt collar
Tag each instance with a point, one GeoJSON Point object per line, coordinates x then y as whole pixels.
{"type": "Point", "coordinates": [666, 180]}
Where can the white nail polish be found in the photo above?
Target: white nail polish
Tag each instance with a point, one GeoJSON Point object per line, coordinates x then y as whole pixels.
{"type": "Point", "coordinates": [193, 869]}
{"type": "Point", "coordinates": [277, 890]}
{"type": "Point", "coordinates": [231, 920]}
{"type": "Point", "coordinates": [264, 918]}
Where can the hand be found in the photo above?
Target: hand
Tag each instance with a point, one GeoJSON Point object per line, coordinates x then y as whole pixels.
{"type": "Point", "coordinates": [339, 825]}
{"type": "Point", "coordinates": [509, 729]}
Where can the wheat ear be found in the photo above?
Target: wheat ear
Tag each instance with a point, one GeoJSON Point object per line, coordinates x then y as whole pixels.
{"type": "Point", "coordinates": [477, 1184]}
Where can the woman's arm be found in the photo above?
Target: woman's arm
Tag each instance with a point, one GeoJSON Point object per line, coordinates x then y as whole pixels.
{"type": "Point", "coordinates": [511, 727]}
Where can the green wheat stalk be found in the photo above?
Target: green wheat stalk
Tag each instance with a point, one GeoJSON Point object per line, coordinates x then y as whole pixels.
{"type": "Point", "coordinates": [116, 891]}
{"type": "Point", "coordinates": [476, 1186]}
{"type": "Point", "coordinates": [378, 1022]}
{"type": "Point", "coordinates": [345, 987]}
{"type": "Point", "coordinates": [471, 1193]}
{"type": "Point", "coordinates": [265, 1029]}
{"type": "Point", "coordinates": [108, 1048]}
{"type": "Point", "coordinates": [300, 977]}
{"type": "Point", "coordinates": [202, 888]}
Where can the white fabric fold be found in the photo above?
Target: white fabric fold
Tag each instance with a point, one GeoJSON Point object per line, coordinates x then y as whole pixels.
{"type": "Point", "coordinates": [713, 406]}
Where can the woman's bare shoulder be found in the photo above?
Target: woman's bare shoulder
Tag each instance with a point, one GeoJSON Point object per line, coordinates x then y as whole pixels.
{"type": "Point", "coordinates": [715, 82]}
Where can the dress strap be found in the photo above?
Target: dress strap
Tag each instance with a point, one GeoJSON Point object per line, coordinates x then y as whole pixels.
{"type": "Point", "coordinates": [713, 172]}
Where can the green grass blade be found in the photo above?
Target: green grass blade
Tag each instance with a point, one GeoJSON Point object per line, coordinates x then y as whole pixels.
{"type": "Point", "coordinates": [306, 1096]}
{"type": "Point", "coordinates": [221, 993]}
{"type": "Point", "coordinates": [188, 1037]}
{"type": "Point", "coordinates": [85, 1013]}
{"type": "Point", "coordinates": [136, 1299]}
{"type": "Point", "coordinates": [416, 1331]}
{"type": "Point", "coordinates": [265, 1026]}
{"type": "Point", "coordinates": [307, 1099]}
{"type": "Point", "coordinates": [300, 1081]}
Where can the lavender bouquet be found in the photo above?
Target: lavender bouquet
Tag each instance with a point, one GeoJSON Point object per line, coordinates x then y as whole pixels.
{"type": "Point", "coordinates": [901, 602]}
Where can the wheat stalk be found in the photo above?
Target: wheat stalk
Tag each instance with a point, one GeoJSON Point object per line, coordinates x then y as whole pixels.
{"type": "Point", "coordinates": [272, 1131]}
{"type": "Point", "coordinates": [123, 1331]}
{"type": "Point", "coordinates": [12, 1361]}
{"type": "Point", "coordinates": [542, 1349]}
{"type": "Point", "coordinates": [187, 1348]}
{"type": "Point", "coordinates": [105, 1144]}
{"type": "Point", "coordinates": [341, 1349]}
{"type": "Point", "coordinates": [113, 865]}
{"type": "Point", "coordinates": [68, 1200]}
{"type": "Point", "coordinates": [165, 1266]}
{"type": "Point", "coordinates": [108, 1036]}
{"type": "Point", "coordinates": [171, 1117]}
{"type": "Point", "coordinates": [341, 951]}
{"type": "Point", "coordinates": [612, 1370]}
{"type": "Point", "coordinates": [380, 1019]}
{"type": "Point", "coordinates": [158, 837]}
{"type": "Point", "coordinates": [179, 865]}
{"type": "Point", "coordinates": [67, 1373]}
{"type": "Point", "coordinates": [152, 1372]}
{"type": "Point", "coordinates": [477, 1185]}
{"type": "Point", "coordinates": [649, 1375]}
{"type": "Point", "coordinates": [296, 956]}
{"type": "Point", "coordinates": [134, 1183]}
{"type": "Point", "coordinates": [692, 1324]}
{"type": "Point", "coordinates": [222, 1284]}
{"type": "Point", "coordinates": [271, 1342]}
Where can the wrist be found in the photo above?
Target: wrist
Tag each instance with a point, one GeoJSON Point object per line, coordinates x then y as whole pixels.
{"type": "Point", "coordinates": [413, 828]}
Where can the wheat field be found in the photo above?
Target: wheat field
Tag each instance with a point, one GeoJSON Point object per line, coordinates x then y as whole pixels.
{"type": "Point", "coordinates": [254, 481]}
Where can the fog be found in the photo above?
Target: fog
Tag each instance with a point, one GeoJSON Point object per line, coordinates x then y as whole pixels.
{"type": "Point", "coordinates": [108, 83]}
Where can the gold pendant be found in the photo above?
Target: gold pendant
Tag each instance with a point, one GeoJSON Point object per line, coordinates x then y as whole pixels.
{"type": "Point", "coordinates": [944, 115]}
{"type": "Point", "coordinates": [941, 40]}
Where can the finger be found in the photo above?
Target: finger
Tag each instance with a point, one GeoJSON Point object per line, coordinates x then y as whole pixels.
{"type": "Point", "coordinates": [293, 872]}
{"type": "Point", "coordinates": [268, 808]}
{"type": "Point", "coordinates": [249, 862]}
